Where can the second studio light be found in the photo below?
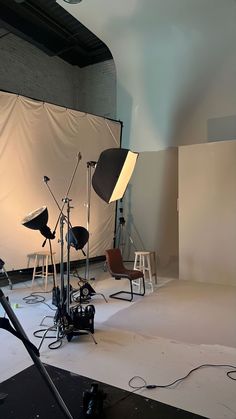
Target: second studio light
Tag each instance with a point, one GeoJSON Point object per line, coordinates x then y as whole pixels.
{"type": "Point", "coordinates": [113, 172]}
{"type": "Point", "coordinates": [77, 237]}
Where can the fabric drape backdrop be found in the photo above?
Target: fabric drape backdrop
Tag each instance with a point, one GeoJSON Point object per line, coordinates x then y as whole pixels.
{"type": "Point", "coordinates": [38, 139]}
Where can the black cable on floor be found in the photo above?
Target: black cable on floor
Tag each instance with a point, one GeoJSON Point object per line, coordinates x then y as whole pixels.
{"type": "Point", "coordinates": [178, 380]}
{"type": "Point", "coordinates": [152, 386]}
{"type": "Point", "coordinates": [35, 298]}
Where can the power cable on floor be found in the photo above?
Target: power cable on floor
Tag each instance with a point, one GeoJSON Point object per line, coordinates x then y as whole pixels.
{"type": "Point", "coordinates": [178, 380]}
{"type": "Point", "coordinates": [144, 385]}
{"type": "Point", "coordinates": [35, 298]}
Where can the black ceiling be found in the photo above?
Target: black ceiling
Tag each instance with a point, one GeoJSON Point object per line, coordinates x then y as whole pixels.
{"type": "Point", "coordinates": [45, 24]}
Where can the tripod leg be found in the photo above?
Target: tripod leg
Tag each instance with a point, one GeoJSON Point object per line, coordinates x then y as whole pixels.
{"type": "Point", "coordinates": [9, 281]}
{"type": "Point", "coordinates": [35, 358]}
{"type": "Point", "coordinates": [120, 238]}
{"type": "Point", "coordinates": [117, 237]}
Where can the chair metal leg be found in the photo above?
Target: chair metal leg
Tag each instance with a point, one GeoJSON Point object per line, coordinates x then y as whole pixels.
{"type": "Point", "coordinates": [131, 292]}
{"type": "Point", "coordinates": [115, 295]}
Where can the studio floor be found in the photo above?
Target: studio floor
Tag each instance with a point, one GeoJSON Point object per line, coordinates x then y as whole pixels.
{"type": "Point", "coordinates": [159, 337]}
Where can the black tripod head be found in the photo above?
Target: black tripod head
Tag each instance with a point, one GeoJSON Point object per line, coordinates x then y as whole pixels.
{"type": "Point", "coordinates": [121, 218]}
{"type": "Point", "coordinates": [122, 221]}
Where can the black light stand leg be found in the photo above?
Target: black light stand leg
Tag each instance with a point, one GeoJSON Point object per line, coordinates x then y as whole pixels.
{"type": "Point", "coordinates": [68, 259]}
{"type": "Point", "coordinates": [2, 268]}
{"type": "Point", "coordinates": [90, 165]}
{"type": "Point", "coordinates": [9, 281]}
{"type": "Point", "coordinates": [15, 322]}
{"type": "Point", "coordinates": [62, 221]}
{"type": "Point", "coordinates": [53, 264]}
{"type": "Point", "coordinates": [119, 238]}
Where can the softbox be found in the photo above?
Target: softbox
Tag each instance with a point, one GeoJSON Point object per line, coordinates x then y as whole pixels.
{"type": "Point", "coordinates": [113, 172]}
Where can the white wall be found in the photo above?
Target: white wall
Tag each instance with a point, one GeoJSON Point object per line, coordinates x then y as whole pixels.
{"type": "Point", "coordinates": [175, 62]}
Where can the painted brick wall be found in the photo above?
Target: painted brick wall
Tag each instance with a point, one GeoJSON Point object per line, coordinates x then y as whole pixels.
{"type": "Point", "coordinates": [97, 89]}
{"type": "Point", "coordinates": [28, 71]}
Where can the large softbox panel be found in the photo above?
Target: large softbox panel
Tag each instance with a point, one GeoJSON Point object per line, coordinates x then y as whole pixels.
{"type": "Point", "coordinates": [113, 172]}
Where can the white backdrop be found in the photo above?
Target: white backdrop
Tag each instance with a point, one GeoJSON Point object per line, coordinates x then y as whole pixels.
{"type": "Point", "coordinates": [38, 139]}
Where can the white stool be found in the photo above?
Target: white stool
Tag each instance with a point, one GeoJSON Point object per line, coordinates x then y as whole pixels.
{"type": "Point", "coordinates": [146, 262]}
{"type": "Point", "coordinates": [41, 261]}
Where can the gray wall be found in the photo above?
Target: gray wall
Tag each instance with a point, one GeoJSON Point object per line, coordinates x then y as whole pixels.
{"type": "Point", "coordinates": [28, 71]}
{"type": "Point", "coordinates": [96, 91]}
{"type": "Point", "coordinates": [151, 208]}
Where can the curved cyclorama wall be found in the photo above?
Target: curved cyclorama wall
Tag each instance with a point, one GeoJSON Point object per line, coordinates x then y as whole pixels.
{"type": "Point", "coordinates": [38, 139]}
{"type": "Point", "coordinates": [175, 62]}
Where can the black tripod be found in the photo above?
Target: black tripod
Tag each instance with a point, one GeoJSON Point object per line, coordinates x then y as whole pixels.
{"type": "Point", "coordinates": [70, 320]}
{"type": "Point", "coordinates": [119, 239]}
{"type": "Point", "coordinates": [19, 332]}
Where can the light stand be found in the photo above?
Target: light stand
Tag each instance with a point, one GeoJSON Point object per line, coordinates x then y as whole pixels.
{"type": "Point", "coordinates": [119, 238]}
{"type": "Point", "coordinates": [33, 352]}
{"type": "Point", "coordinates": [86, 291]}
{"type": "Point", "coordinates": [90, 165]}
{"type": "Point", "coordinates": [68, 258]}
{"type": "Point", "coordinates": [112, 173]}
{"type": "Point", "coordinates": [62, 219]}
{"type": "Point", "coordinates": [64, 325]}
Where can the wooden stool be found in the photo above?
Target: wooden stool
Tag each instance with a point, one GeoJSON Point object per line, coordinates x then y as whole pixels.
{"type": "Point", "coordinates": [41, 261]}
{"type": "Point", "coordinates": [146, 262]}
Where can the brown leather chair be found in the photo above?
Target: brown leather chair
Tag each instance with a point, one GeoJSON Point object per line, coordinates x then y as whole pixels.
{"type": "Point", "coordinates": [117, 269]}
